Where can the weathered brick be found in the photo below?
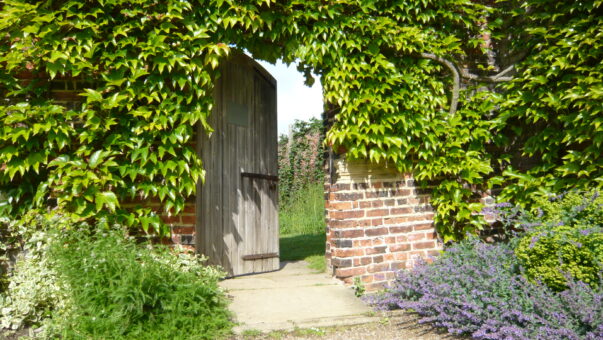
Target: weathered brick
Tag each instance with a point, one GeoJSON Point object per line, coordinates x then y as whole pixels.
{"type": "Point", "coordinates": [399, 247]}
{"type": "Point", "coordinates": [363, 243]}
{"type": "Point", "coordinates": [375, 250]}
{"type": "Point", "coordinates": [376, 194]}
{"type": "Point", "coordinates": [365, 204]}
{"type": "Point", "coordinates": [403, 192]}
{"type": "Point", "coordinates": [416, 237]}
{"type": "Point", "coordinates": [402, 201]}
{"type": "Point", "coordinates": [388, 257]}
{"type": "Point", "coordinates": [341, 263]}
{"type": "Point", "coordinates": [340, 186]}
{"type": "Point", "coordinates": [341, 215]}
{"type": "Point", "coordinates": [390, 240]}
{"type": "Point", "coordinates": [424, 245]}
{"type": "Point", "coordinates": [377, 267]}
{"type": "Point", "coordinates": [400, 211]}
{"type": "Point", "coordinates": [378, 241]}
{"type": "Point", "coordinates": [400, 229]}
{"type": "Point", "coordinates": [389, 203]}
{"type": "Point", "coordinates": [401, 238]}
{"type": "Point", "coordinates": [354, 233]}
{"type": "Point", "coordinates": [376, 204]}
{"type": "Point", "coordinates": [341, 205]}
{"type": "Point", "coordinates": [348, 272]}
{"type": "Point", "coordinates": [376, 222]}
{"type": "Point", "coordinates": [344, 243]}
{"type": "Point", "coordinates": [348, 252]}
{"type": "Point", "coordinates": [378, 259]}
{"type": "Point", "coordinates": [348, 196]}
{"type": "Point", "coordinates": [425, 226]}
{"type": "Point", "coordinates": [376, 231]}
{"type": "Point", "coordinates": [401, 256]}
{"type": "Point", "coordinates": [377, 212]}
{"type": "Point", "coordinates": [342, 224]}
{"type": "Point", "coordinates": [394, 220]}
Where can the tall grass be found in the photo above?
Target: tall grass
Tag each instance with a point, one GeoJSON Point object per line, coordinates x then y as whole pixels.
{"type": "Point", "coordinates": [302, 226]}
{"type": "Point", "coordinates": [303, 213]}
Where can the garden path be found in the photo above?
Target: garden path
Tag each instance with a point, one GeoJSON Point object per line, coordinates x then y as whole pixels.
{"type": "Point", "coordinates": [293, 297]}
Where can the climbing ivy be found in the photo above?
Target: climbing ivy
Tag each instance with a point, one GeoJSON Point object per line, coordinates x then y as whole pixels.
{"type": "Point", "coordinates": [412, 82]}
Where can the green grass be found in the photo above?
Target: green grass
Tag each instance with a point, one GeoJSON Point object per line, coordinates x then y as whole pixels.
{"type": "Point", "coordinates": [302, 227]}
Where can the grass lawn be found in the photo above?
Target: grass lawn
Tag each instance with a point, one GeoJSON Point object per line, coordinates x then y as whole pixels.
{"type": "Point", "coordinates": [302, 227]}
{"type": "Point", "coordinates": [308, 247]}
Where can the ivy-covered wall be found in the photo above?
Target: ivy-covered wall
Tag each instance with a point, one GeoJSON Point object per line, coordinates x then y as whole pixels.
{"type": "Point", "coordinates": [412, 82]}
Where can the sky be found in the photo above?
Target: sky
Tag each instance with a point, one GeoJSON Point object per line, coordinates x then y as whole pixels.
{"type": "Point", "coordinates": [294, 99]}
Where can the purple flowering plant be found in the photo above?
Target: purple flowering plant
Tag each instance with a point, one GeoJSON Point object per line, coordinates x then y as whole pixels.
{"type": "Point", "coordinates": [478, 289]}
{"type": "Point", "coordinates": [501, 290]}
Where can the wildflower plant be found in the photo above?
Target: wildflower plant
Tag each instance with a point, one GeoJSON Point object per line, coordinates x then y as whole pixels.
{"type": "Point", "coordinates": [478, 289]}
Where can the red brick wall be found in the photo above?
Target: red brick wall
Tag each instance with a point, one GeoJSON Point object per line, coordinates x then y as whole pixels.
{"type": "Point", "coordinates": [378, 222]}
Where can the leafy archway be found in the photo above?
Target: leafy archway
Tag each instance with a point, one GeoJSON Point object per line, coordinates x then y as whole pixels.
{"type": "Point", "coordinates": [410, 80]}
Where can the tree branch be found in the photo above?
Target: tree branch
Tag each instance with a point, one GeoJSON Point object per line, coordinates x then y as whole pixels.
{"type": "Point", "coordinates": [458, 72]}
{"type": "Point", "coordinates": [454, 100]}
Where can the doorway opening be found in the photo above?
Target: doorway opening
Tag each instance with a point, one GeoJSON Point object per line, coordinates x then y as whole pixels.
{"type": "Point", "coordinates": [302, 223]}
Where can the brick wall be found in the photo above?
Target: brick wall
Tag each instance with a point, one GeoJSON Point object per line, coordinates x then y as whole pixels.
{"type": "Point", "coordinates": [378, 222]}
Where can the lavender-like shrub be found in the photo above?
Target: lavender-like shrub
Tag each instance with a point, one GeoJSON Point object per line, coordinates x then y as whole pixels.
{"type": "Point", "coordinates": [477, 289]}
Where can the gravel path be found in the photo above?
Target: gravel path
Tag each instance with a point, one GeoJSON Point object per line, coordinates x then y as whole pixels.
{"type": "Point", "coordinates": [400, 327]}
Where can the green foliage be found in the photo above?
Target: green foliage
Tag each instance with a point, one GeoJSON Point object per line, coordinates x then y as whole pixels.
{"type": "Point", "coordinates": [148, 69]}
{"type": "Point", "coordinates": [564, 238]}
{"type": "Point", "coordinates": [75, 284]}
{"type": "Point", "coordinates": [300, 159]}
{"type": "Point", "coordinates": [552, 254]}
{"type": "Point", "coordinates": [551, 113]}
{"type": "Point", "coordinates": [34, 291]}
{"type": "Point", "coordinates": [121, 290]}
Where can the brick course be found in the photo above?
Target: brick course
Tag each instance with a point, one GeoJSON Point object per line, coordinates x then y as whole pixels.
{"type": "Point", "coordinates": [378, 222]}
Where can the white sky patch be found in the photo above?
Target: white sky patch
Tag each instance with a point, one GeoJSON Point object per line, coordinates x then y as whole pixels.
{"type": "Point", "coordinates": [294, 99]}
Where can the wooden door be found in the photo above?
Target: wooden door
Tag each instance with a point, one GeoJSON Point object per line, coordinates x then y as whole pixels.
{"type": "Point", "coordinates": [237, 219]}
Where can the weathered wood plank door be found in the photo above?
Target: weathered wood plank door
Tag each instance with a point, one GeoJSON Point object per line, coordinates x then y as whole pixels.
{"type": "Point", "coordinates": [237, 219]}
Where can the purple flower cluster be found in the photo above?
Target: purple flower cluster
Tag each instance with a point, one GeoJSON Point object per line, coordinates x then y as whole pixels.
{"type": "Point", "coordinates": [477, 289]}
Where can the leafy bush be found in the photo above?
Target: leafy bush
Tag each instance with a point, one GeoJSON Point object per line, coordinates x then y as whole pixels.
{"type": "Point", "coordinates": [78, 284]}
{"type": "Point", "coordinates": [477, 289]}
{"type": "Point", "coordinates": [34, 290]}
{"type": "Point", "coordinates": [551, 254]}
{"type": "Point", "coordinates": [122, 290]}
{"type": "Point", "coordinates": [563, 236]}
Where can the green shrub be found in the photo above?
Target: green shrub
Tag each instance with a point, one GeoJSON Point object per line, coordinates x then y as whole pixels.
{"type": "Point", "coordinates": [75, 284]}
{"type": "Point", "coordinates": [550, 255]}
{"type": "Point", "coordinates": [33, 289]}
{"type": "Point", "coordinates": [122, 290]}
{"type": "Point", "coordinates": [563, 237]}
